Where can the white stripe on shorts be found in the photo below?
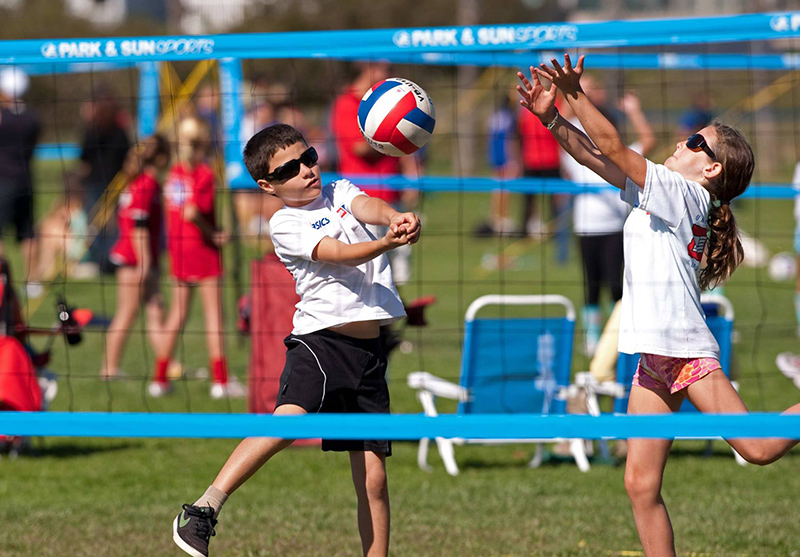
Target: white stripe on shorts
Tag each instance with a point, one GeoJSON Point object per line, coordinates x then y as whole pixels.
{"type": "Point", "coordinates": [324, 376]}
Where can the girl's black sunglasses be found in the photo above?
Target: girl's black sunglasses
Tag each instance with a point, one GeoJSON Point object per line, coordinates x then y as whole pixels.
{"type": "Point", "coordinates": [698, 143]}
{"type": "Point", "coordinates": [291, 168]}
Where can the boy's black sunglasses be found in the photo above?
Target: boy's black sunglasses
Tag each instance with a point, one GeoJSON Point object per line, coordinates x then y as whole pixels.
{"type": "Point", "coordinates": [698, 143]}
{"type": "Point", "coordinates": [291, 168]}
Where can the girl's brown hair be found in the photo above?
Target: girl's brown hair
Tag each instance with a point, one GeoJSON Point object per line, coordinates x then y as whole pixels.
{"type": "Point", "coordinates": [724, 250]}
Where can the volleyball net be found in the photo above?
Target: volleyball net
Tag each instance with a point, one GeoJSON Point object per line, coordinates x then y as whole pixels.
{"type": "Point", "coordinates": [748, 65]}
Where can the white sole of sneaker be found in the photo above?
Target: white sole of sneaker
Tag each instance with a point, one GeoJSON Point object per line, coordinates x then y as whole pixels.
{"type": "Point", "coordinates": [182, 544]}
{"type": "Point", "coordinates": [782, 362]}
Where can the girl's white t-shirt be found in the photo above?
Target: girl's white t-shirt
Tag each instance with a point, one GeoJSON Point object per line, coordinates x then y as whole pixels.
{"type": "Point", "coordinates": [665, 236]}
{"type": "Point", "coordinates": [332, 295]}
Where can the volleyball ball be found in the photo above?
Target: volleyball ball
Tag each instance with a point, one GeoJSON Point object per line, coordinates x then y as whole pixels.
{"type": "Point", "coordinates": [782, 267]}
{"type": "Point", "coordinates": [396, 117]}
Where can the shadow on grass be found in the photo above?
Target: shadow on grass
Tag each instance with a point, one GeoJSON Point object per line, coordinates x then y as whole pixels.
{"type": "Point", "coordinates": [716, 453]}
{"type": "Point", "coordinates": [39, 449]}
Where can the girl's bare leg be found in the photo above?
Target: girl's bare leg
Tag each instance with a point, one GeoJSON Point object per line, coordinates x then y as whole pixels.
{"type": "Point", "coordinates": [644, 473]}
{"type": "Point", "coordinates": [176, 318]}
{"type": "Point", "coordinates": [154, 311]}
{"type": "Point", "coordinates": [211, 296]}
{"type": "Point", "coordinates": [129, 288]}
{"type": "Point", "coordinates": [715, 394]}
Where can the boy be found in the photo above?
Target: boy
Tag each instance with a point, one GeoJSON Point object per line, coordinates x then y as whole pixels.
{"type": "Point", "coordinates": [333, 361]}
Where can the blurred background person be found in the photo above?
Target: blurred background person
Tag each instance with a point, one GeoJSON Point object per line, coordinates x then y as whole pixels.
{"type": "Point", "coordinates": [137, 251]}
{"type": "Point", "coordinates": [540, 158]}
{"type": "Point", "coordinates": [62, 232]}
{"type": "Point", "coordinates": [207, 107]}
{"type": "Point", "coordinates": [789, 362]}
{"type": "Point", "coordinates": [104, 148]}
{"type": "Point", "coordinates": [699, 114]}
{"type": "Point", "coordinates": [19, 133]}
{"type": "Point", "coordinates": [503, 153]}
{"type": "Point", "coordinates": [193, 245]}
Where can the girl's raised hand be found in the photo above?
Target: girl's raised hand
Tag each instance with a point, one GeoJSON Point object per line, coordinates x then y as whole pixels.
{"type": "Point", "coordinates": [566, 78]}
{"type": "Point", "coordinates": [536, 98]}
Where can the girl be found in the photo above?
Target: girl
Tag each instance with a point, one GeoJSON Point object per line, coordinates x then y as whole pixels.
{"type": "Point", "coordinates": [136, 252]}
{"type": "Point", "coordinates": [681, 210]}
{"type": "Point", "coordinates": [62, 232]}
{"type": "Point", "coordinates": [193, 243]}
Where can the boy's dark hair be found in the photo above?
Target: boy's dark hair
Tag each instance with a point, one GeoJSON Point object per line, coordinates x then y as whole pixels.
{"type": "Point", "coordinates": [262, 147]}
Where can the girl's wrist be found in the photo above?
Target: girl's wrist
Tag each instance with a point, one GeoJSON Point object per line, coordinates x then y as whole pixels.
{"type": "Point", "coordinates": [550, 118]}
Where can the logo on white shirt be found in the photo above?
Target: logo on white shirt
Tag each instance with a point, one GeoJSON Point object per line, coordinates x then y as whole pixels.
{"type": "Point", "coordinates": [125, 199]}
{"type": "Point", "coordinates": [176, 191]}
{"type": "Point", "coordinates": [320, 223]}
{"type": "Point", "coordinates": [342, 212]}
{"type": "Point", "coordinates": [698, 243]}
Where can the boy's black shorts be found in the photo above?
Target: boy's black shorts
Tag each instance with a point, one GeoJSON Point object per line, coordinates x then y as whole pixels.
{"type": "Point", "coordinates": [329, 372]}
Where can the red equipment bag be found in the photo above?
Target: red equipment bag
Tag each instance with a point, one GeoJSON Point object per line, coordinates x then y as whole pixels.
{"type": "Point", "coordinates": [273, 298]}
{"type": "Point", "coordinates": [19, 387]}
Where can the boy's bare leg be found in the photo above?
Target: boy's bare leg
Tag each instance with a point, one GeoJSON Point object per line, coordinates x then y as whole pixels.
{"type": "Point", "coordinates": [372, 490]}
{"type": "Point", "coordinates": [251, 454]}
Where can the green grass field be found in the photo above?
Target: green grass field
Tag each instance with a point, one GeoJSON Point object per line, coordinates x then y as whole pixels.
{"type": "Point", "coordinates": [117, 497]}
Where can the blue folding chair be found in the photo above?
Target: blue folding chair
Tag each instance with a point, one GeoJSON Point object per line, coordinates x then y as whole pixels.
{"type": "Point", "coordinates": [719, 318]}
{"type": "Point", "coordinates": [509, 365]}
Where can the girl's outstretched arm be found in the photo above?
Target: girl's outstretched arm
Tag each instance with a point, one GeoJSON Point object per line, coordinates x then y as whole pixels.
{"type": "Point", "coordinates": [598, 128]}
{"type": "Point", "coordinates": [541, 103]}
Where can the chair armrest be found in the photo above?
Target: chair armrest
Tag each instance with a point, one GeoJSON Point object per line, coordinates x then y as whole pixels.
{"type": "Point", "coordinates": [424, 381]}
{"type": "Point", "coordinates": [586, 380]}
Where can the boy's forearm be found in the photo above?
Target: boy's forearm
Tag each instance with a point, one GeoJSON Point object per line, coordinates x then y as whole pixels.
{"type": "Point", "coordinates": [352, 255]}
{"type": "Point", "coordinates": [374, 211]}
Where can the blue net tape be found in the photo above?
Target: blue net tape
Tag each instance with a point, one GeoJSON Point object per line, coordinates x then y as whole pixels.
{"type": "Point", "coordinates": [398, 426]}
{"type": "Point", "coordinates": [387, 42]}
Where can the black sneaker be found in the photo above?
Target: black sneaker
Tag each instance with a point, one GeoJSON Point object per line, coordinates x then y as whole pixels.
{"type": "Point", "coordinates": [192, 529]}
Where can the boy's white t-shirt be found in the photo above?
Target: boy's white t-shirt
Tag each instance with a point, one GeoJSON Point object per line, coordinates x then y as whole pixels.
{"type": "Point", "coordinates": [596, 213]}
{"type": "Point", "coordinates": [332, 295]}
{"type": "Point", "coordinates": [665, 236]}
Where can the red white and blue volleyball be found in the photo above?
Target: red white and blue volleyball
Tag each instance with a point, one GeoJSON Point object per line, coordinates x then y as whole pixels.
{"type": "Point", "coordinates": [396, 117]}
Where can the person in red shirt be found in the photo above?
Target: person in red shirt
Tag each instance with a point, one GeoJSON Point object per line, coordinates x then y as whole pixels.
{"type": "Point", "coordinates": [193, 245]}
{"type": "Point", "coordinates": [136, 252]}
{"type": "Point", "coordinates": [540, 156]}
{"type": "Point", "coordinates": [356, 157]}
